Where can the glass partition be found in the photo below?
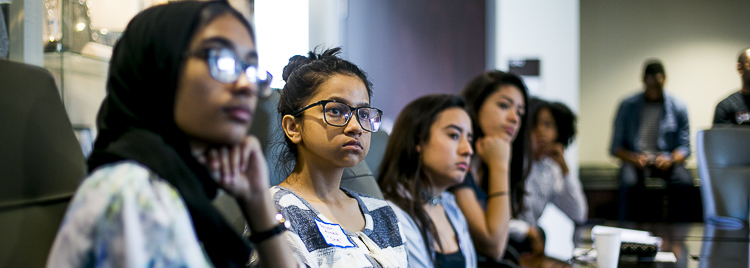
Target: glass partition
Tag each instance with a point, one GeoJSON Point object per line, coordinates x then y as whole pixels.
{"type": "Point", "coordinates": [78, 37]}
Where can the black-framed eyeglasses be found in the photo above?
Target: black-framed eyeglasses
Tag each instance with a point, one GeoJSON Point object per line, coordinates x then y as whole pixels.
{"type": "Point", "coordinates": [226, 67]}
{"type": "Point", "coordinates": [337, 114]}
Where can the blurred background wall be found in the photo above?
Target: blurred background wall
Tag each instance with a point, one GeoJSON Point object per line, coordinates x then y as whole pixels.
{"type": "Point", "coordinates": [413, 48]}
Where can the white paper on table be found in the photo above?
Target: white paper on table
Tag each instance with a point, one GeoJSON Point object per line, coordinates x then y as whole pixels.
{"type": "Point", "coordinates": [629, 235]}
{"type": "Point", "coordinates": [591, 256]}
{"type": "Point", "coordinates": [560, 230]}
{"type": "Point", "coordinates": [665, 257]}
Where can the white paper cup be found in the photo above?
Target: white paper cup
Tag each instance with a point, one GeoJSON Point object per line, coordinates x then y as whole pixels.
{"type": "Point", "coordinates": [607, 245]}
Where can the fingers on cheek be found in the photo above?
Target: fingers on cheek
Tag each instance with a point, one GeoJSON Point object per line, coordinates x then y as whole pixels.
{"type": "Point", "coordinates": [243, 155]}
{"type": "Point", "coordinates": [213, 160]}
{"type": "Point", "coordinates": [201, 159]}
{"type": "Point", "coordinates": [226, 165]}
{"type": "Point", "coordinates": [214, 164]}
{"type": "Point", "coordinates": [236, 159]}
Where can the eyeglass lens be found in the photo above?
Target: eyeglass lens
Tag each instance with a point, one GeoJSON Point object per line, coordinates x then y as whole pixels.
{"type": "Point", "coordinates": [225, 67]}
{"type": "Point", "coordinates": [338, 114]}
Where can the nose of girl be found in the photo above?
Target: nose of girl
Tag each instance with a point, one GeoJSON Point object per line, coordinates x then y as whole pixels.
{"type": "Point", "coordinates": [244, 86]}
{"type": "Point", "coordinates": [353, 126]}
{"type": "Point", "coordinates": [513, 117]}
{"type": "Point", "coordinates": [465, 148]}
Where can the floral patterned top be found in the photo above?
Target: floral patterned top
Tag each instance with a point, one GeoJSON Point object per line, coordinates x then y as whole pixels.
{"type": "Point", "coordinates": [124, 215]}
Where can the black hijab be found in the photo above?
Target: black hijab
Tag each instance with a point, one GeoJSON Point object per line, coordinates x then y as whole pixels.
{"type": "Point", "coordinates": [136, 120]}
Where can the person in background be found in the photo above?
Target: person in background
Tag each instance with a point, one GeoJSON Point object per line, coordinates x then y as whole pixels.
{"type": "Point", "coordinates": [735, 109]}
{"type": "Point", "coordinates": [182, 87]}
{"type": "Point", "coordinates": [553, 128]}
{"type": "Point", "coordinates": [493, 190]}
{"type": "Point", "coordinates": [428, 151]}
{"type": "Point", "coordinates": [651, 136]}
{"type": "Point", "coordinates": [327, 120]}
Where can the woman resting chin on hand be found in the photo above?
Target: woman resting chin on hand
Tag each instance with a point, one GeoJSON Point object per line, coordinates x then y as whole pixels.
{"type": "Point", "coordinates": [147, 200]}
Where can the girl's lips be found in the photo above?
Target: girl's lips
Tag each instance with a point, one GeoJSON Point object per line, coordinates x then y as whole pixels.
{"type": "Point", "coordinates": [462, 166]}
{"type": "Point", "coordinates": [239, 114]}
{"type": "Point", "coordinates": [510, 130]}
{"type": "Point", "coordinates": [354, 145]}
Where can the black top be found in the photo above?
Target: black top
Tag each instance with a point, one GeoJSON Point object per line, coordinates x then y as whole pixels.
{"type": "Point", "coordinates": [471, 184]}
{"type": "Point", "coordinates": [455, 259]}
{"type": "Point", "coordinates": [735, 109]}
{"type": "Point", "coordinates": [509, 258]}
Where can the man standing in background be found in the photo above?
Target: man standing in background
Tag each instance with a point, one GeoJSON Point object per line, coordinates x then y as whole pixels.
{"type": "Point", "coordinates": [652, 138]}
{"type": "Point", "coordinates": [735, 109]}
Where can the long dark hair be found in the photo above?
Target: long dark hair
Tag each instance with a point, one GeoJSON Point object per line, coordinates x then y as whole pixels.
{"type": "Point", "coordinates": [475, 93]}
{"type": "Point", "coordinates": [303, 76]}
{"type": "Point", "coordinates": [401, 178]}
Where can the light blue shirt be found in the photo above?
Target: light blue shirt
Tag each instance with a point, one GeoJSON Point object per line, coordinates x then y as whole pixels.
{"type": "Point", "coordinates": [415, 246]}
{"type": "Point", "coordinates": [674, 128]}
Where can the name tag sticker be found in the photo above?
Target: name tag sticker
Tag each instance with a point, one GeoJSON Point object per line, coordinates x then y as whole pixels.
{"type": "Point", "coordinates": [333, 234]}
{"type": "Point", "coordinates": [742, 117]}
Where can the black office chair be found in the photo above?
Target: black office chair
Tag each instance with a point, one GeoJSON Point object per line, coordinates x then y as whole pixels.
{"type": "Point", "coordinates": [362, 178]}
{"type": "Point", "coordinates": [41, 164]}
{"type": "Point", "coordinates": [724, 171]}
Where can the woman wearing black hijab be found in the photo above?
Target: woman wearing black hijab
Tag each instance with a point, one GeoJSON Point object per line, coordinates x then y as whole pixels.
{"type": "Point", "coordinates": [172, 130]}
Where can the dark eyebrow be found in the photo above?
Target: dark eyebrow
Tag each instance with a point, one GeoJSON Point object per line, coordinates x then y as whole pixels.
{"type": "Point", "coordinates": [460, 130]}
{"type": "Point", "coordinates": [512, 102]}
{"type": "Point", "coordinates": [251, 55]}
{"type": "Point", "coordinates": [452, 126]}
{"type": "Point", "coordinates": [508, 99]}
{"type": "Point", "coordinates": [361, 104]}
{"type": "Point", "coordinates": [217, 39]}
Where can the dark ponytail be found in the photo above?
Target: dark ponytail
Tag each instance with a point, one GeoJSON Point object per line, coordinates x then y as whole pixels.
{"type": "Point", "coordinates": [303, 75]}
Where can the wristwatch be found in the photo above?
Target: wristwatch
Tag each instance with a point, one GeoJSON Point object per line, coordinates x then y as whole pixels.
{"type": "Point", "coordinates": [259, 237]}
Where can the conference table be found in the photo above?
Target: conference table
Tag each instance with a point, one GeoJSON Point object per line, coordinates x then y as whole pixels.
{"type": "Point", "coordinates": [694, 244]}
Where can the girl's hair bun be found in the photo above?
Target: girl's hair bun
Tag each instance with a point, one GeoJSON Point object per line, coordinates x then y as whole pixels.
{"type": "Point", "coordinates": [298, 61]}
{"type": "Point", "coordinates": [294, 63]}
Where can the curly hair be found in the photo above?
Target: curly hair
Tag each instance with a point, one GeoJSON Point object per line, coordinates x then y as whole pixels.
{"type": "Point", "coordinates": [564, 118]}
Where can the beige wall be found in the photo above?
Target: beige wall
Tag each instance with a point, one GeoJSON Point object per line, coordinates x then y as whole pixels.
{"type": "Point", "coordinates": [698, 42]}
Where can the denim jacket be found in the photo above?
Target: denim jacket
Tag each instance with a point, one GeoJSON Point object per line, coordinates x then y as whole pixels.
{"type": "Point", "coordinates": [419, 256]}
{"type": "Point", "coordinates": [674, 129]}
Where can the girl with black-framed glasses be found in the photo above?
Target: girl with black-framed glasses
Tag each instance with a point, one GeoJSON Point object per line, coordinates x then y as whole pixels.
{"type": "Point", "coordinates": [332, 226]}
{"type": "Point", "coordinates": [172, 132]}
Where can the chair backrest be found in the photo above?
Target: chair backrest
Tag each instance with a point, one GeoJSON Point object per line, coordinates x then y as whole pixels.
{"type": "Point", "coordinates": [724, 171]}
{"type": "Point", "coordinates": [361, 178]}
{"type": "Point", "coordinates": [41, 164]}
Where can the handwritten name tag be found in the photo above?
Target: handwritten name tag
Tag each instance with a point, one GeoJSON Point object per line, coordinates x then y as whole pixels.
{"type": "Point", "coordinates": [742, 117]}
{"type": "Point", "coordinates": [333, 234]}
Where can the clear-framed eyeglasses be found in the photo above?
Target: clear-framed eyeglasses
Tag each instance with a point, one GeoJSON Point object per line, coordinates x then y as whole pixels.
{"type": "Point", "coordinates": [338, 114]}
{"type": "Point", "coordinates": [226, 67]}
